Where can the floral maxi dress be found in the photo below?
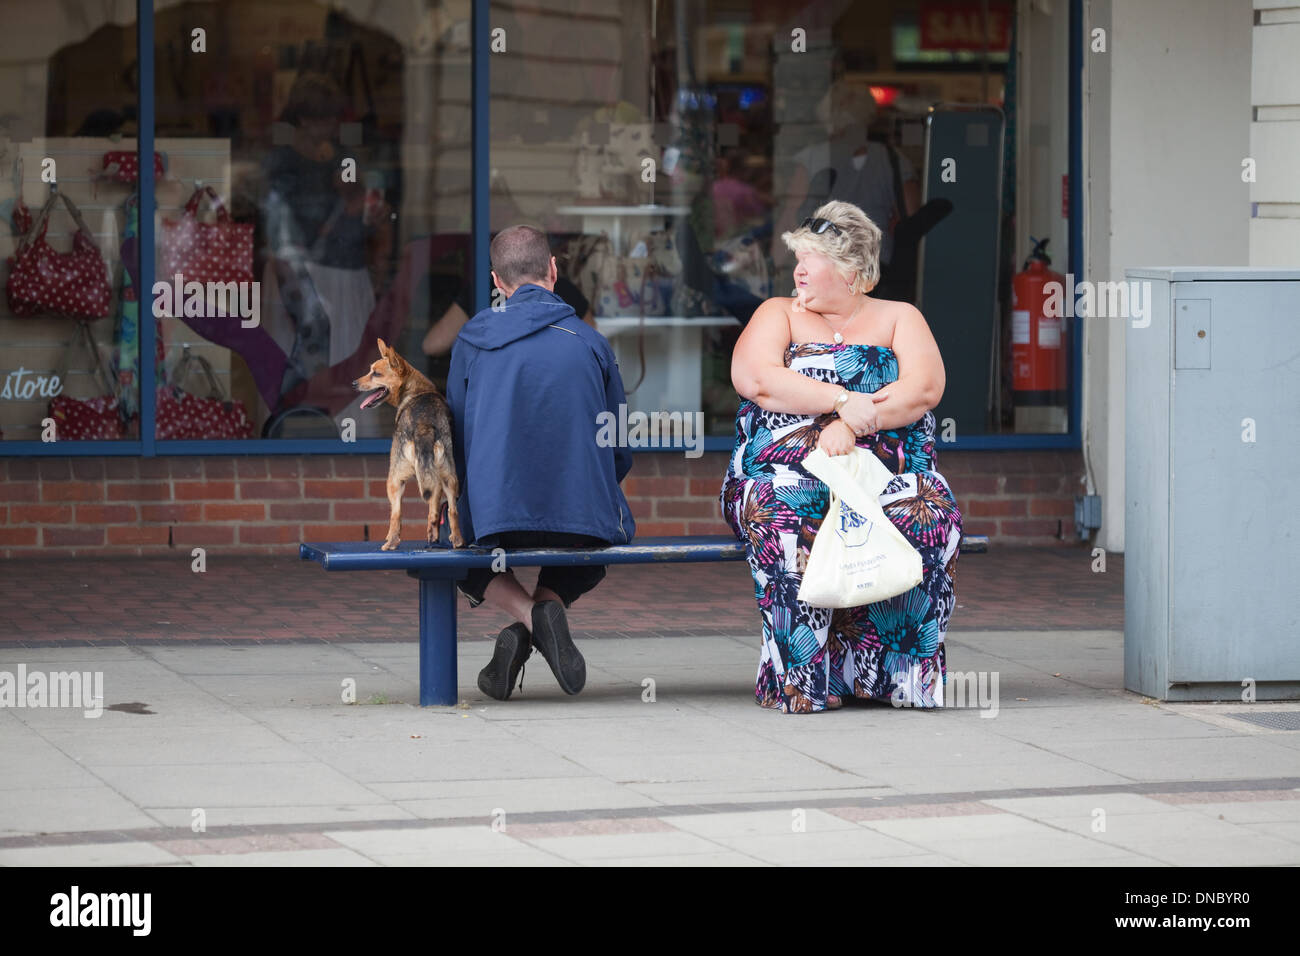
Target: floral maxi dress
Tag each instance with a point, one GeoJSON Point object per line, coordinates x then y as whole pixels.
{"type": "Point", "coordinates": [891, 650]}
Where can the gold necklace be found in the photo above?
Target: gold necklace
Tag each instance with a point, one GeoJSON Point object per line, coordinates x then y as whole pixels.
{"type": "Point", "coordinates": [836, 335]}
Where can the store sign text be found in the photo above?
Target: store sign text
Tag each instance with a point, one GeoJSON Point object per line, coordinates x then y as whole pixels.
{"type": "Point", "coordinates": [18, 385]}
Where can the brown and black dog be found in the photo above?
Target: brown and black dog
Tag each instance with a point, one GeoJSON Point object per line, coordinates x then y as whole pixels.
{"type": "Point", "coordinates": [422, 443]}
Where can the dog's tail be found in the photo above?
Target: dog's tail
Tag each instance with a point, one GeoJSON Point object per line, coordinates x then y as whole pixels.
{"type": "Point", "coordinates": [428, 462]}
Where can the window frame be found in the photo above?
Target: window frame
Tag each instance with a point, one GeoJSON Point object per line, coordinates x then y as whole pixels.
{"type": "Point", "coordinates": [147, 446]}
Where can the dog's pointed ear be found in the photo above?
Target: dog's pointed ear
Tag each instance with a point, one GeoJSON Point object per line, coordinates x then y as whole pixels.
{"type": "Point", "coordinates": [383, 348]}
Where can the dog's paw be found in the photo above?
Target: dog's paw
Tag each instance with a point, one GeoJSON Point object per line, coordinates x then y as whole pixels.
{"type": "Point", "coordinates": [457, 541]}
{"type": "Point", "coordinates": [390, 545]}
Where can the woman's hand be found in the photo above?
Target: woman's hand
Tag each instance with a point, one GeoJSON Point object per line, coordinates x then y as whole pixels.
{"type": "Point", "coordinates": [837, 438]}
{"type": "Point", "coordinates": [860, 414]}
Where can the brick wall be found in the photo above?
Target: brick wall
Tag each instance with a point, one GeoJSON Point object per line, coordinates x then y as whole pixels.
{"type": "Point", "coordinates": [68, 506]}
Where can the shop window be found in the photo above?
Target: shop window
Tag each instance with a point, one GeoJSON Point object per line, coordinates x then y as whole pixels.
{"type": "Point", "coordinates": [69, 342]}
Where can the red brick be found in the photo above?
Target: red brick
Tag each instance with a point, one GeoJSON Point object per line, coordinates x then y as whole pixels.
{"type": "Point", "coordinates": [121, 469]}
{"type": "Point", "coordinates": [705, 487]}
{"type": "Point", "coordinates": [53, 469]}
{"type": "Point", "coordinates": [283, 488]}
{"type": "Point", "coordinates": [218, 468]}
{"type": "Point", "coordinates": [88, 469]}
{"type": "Point", "coordinates": [40, 514]}
{"type": "Point", "coordinates": [315, 466]}
{"type": "Point", "coordinates": [71, 537]}
{"type": "Point", "coordinates": [171, 512]}
{"type": "Point", "coordinates": [336, 488]}
{"type": "Point", "coordinates": [669, 487]}
{"type": "Point", "coordinates": [641, 507]}
{"type": "Point", "coordinates": [1055, 507]}
{"type": "Point", "coordinates": [1034, 484]}
{"type": "Point", "coordinates": [136, 535]}
{"type": "Point", "coordinates": [299, 510]}
{"type": "Point", "coordinates": [186, 467]}
{"type": "Point", "coordinates": [22, 469]}
{"type": "Point", "coordinates": [985, 526]}
{"type": "Point", "coordinates": [270, 534]}
{"type": "Point", "coordinates": [234, 512]}
{"type": "Point", "coordinates": [1029, 527]}
{"type": "Point", "coordinates": [655, 529]}
{"type": "Point", "coordinates": [954, 462]}
{"type": "Point", "coordinates": [154, 468]}
{"type": "Point", "coordinates": [978, 485]}
{"type": "Point", "coordinates": [251, 467]}
{"type": "Point", "coordinates": [666, 463]}
{"type": "Point", "coordinates": [19, 491]}
{"type": "Point", "coordinates": [1049, 462]}
{"type": "Point", "coordinates": [351, 466]}
{"type": "Point", "coordinates": [370, 511]}
{"type": "Point", "coordinates": [189, 535]}
{"type": "Point", "coordinates": [106, 514]}
{"type": "Point", "coordinates": [138, 491]}
{"type": "Point", "coordinates": [686, 508]}
{"type": "Point", "coordinates": [340, 532]}
{"type": "Point", "coordinates": [18, 536]}
{"type": "Point", "coordinates": [204, 490]}
{"type": "Point", "coordinates": [285, 467]}
{"type": "Point", "coordinates": [72, 491]}
{"type": "Point", "coordinates": [990, 507]}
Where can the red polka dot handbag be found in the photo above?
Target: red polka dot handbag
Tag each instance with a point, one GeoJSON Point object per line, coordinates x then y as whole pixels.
{"type": "Point", "coordinates": [44, 280]}
{"type": "Point", "coordinates": [180, 415]}
{"type": "Point", "coordinates": [88, 419]}
{"type": "Point", "coordinates": [220, 251]}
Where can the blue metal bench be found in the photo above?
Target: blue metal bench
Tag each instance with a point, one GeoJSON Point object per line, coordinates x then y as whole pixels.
{"type": "Point", "coordinates": [437, 570]}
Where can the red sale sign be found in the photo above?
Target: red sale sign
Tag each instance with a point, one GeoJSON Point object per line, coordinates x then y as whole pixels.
{"type": "Point", "coordinates": [963, 26]}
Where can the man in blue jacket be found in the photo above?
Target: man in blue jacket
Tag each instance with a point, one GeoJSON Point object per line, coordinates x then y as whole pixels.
{"type": "Point", "coordinates": [526, 386]}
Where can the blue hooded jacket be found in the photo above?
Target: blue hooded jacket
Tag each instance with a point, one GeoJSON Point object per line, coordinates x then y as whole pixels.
{"type": "Point", "coordinates": [525, 388]}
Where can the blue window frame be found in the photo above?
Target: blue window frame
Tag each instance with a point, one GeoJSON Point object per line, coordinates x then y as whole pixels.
{"type": "Point", "coordinates": [147, 446]}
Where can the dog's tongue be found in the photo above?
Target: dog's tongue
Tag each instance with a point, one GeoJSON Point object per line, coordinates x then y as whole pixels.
{"type": "Point", "coordinates": [374, 397]}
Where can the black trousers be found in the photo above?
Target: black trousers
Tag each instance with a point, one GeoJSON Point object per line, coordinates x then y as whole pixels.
{"type": "Point", "coordinates": [570, 583]}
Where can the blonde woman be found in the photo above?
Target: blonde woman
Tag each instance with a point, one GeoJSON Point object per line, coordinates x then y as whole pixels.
{"type": "Point", "coordinates": [831, 368]}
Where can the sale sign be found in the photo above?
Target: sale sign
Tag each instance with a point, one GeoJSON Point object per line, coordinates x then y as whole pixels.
{"type": "Point", "coordinates": [963, 26]}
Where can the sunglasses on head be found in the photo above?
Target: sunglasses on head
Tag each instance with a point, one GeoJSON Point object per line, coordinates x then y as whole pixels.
{"type": "Point", "coordinates": [818, 226]}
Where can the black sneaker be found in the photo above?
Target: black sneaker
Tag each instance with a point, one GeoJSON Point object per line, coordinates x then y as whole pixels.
{"type": "Point", "coordinates": [497, 679]}
{"type": "Point", "coordinates": [551, 637]}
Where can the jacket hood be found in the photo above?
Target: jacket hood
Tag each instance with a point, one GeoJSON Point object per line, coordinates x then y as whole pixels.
{"type": "Point", "coordinates": [529, 309]}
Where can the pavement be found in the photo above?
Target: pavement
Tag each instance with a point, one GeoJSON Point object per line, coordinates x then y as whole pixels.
{"type": "Point", "coordinates": [272, 720]}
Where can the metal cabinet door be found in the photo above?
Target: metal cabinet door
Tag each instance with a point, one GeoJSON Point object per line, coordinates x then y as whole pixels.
{"type": "Point", "coordinates": [1234, 513]}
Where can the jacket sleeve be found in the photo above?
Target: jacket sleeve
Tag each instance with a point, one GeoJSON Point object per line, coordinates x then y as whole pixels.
{"type": "Point", "coordinates": [457, 377]}
{"type": "Point", "coordinates": [614, 397]}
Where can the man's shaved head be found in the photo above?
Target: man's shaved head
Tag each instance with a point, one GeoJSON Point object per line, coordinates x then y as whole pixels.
{"type": "Point", "coordinates": [520, 254]}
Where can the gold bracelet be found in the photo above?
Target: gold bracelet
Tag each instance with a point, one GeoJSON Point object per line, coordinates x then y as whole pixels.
{"type": "Point", "coordinates": [840, 399]}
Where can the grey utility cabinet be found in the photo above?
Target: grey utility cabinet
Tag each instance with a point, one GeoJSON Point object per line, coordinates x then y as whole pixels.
{"type": "Point", "coordinates": [1212, 485]}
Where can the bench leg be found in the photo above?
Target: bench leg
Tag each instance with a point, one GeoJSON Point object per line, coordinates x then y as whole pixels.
{"type": "Point", "coordinates": [437, 642]}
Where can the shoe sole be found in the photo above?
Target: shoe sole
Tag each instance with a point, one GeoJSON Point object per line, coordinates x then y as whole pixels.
{"type": "Point", "coordinates": [508, 660]}
{"type": "Point", "coordinates": [552, 639]}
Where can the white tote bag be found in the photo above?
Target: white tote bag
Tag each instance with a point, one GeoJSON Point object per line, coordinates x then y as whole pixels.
{"type": "Point", "coordinates": [858, 557]}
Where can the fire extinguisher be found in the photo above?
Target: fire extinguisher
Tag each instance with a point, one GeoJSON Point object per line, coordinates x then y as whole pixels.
{"type": "Point", "coordinates": [1038, 340]}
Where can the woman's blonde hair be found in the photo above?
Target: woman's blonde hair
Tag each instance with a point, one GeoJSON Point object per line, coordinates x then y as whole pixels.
{"type": "Point", "coordinates": [855, 250]}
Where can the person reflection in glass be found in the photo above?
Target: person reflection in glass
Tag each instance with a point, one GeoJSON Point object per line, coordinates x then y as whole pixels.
{"type": "Point", "coordinates": [326, 244]}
